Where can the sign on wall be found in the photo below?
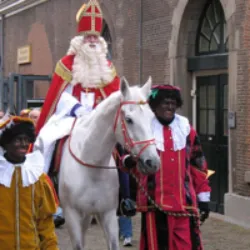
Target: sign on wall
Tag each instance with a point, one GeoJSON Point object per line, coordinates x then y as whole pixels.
{"type": "Point", "coordinates": [24, 54]}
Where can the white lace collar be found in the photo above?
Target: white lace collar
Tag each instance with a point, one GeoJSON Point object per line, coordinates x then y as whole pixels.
{"type": "Point", "coordinates": [31, 169]}
{"type": "Point", "coordinates": [180, 129]}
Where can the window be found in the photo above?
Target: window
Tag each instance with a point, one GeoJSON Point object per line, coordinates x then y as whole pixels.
{"type": "Point", "coordinates": [212, 37]}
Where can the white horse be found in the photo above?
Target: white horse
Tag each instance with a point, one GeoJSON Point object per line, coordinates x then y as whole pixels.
{"type": "Point", "coordinates": [84, 190]}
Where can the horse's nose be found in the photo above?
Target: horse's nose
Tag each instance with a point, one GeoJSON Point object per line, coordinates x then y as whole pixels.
{"type": "Point", "coordinates": [152, 164]}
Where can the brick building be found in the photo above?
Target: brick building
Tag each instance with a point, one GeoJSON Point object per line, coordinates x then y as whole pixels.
{"type": "Point", "coordinates": [200, 45]}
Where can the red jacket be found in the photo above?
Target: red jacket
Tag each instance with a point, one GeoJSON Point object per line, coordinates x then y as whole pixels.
{"type": "Point", "coordinates": [182, 175]}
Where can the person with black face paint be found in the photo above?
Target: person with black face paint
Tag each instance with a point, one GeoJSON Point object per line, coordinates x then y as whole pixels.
{"type": "Point", "coordinates": [26, 199]}
{"type": "Point", "coordinates": [179, 190]}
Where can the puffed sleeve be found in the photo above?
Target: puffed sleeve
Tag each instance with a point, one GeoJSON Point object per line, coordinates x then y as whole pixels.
{"type": "Point", "coordinates": [198, 168]}
{"type": "Point", "coordinates": [45, 224]}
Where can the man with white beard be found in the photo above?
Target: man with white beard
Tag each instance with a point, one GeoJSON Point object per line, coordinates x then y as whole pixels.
{"type": "Point", "coordinates": [84, 73]}
{"type": "Point", "coordinates": [82, 79]}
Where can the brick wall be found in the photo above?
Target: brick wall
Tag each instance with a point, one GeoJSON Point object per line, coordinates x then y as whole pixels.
{"type": "Point", "coordinates": [242, 19]}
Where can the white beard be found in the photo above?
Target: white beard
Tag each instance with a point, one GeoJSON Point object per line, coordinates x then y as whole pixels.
{"type": "Point", "coordinates": [90, 67]}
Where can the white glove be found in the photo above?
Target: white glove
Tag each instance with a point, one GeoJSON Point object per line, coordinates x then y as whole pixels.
{"type": "Point", "coordinates": [81, 111]}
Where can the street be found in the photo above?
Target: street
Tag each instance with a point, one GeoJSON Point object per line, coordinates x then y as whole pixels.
{"type": "Point", "coordinates": [217, 235]}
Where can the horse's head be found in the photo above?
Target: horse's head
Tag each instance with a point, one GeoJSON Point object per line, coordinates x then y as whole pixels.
{"type": "Point", "coordinates": [133, 125]}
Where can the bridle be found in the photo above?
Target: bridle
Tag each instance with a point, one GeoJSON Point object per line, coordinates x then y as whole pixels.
{"type": "Point", "coordinates": [129, 142]}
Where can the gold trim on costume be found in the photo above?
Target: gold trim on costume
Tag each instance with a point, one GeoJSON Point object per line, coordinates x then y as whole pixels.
{"type": "Point", "coordinates": [80, 12]}
{"type": "Point", "coordinates": [104, 96]}
{"type": "Point", "coordinates": [53, 106]}
{"type": "Point", "coordinates": [89, 32]}
{"type": "Point", "coordinates": [180, 177]}
{"type": "Point", "coordinates": [114, 74]}
{"type": "Point", "coordinates": [62, 71]}
{"type": "Point", "coordinates": [34, 211]}
{"type": "Point", "coordinates": [151, 231]}
{"type": "Point", "coordinates": [17, 211]}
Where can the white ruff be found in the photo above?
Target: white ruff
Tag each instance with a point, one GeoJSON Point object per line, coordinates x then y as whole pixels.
{"type": "Point", "coordinates": [90, 66]}
{"type": "Point", "coordinates": [180, 129]}
{"type": "Point", "coordinates": [31, 169]}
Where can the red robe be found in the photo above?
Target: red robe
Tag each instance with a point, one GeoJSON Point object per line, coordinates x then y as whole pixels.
{"type": "Point", "coordinates": [61, 79]}
{"type": "Point", "coordinates": [181, 177]}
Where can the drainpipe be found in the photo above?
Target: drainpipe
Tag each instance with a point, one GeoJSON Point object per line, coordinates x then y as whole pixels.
{"type": "Point", "coordinates": [2, 60]}
{"type": "Point", "coordinates": [140, 43]}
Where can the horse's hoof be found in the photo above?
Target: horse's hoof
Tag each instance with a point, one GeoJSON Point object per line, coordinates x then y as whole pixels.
{"type": "Point", "coordinates": [59, 221]}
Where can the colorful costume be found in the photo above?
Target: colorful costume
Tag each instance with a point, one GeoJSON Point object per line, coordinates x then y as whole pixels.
{"type": "Point", "coordinates": [26, 201]}
{"type": "Point", "coordinates": [182, 178]}
{"type": "Point", "coordinates": [69, 92]}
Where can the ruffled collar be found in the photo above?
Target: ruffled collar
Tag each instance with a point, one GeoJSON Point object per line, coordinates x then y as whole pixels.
{"type": "Point", "coordinates": [180, 129]}
{"type": "Point", "coordinates": [31, 169]}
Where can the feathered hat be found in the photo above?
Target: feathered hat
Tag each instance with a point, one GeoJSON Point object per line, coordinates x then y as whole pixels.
{"type": "Point", "coordinates": [14, 126]}
{"type": "Point", "coordinates": [89, 19]}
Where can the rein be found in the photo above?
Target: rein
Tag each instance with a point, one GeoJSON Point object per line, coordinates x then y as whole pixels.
{"type": "Point", "coordinates": [78, 159]}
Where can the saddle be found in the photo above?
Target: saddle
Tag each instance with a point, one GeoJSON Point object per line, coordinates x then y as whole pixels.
{"type": "Point", "coordinates": [56, 161]}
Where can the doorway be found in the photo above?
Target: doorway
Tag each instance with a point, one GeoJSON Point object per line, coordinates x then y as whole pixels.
{"type": "Point", "coordinates": [212, 126]}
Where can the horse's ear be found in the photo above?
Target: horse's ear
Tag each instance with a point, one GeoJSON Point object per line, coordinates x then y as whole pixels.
{"type": "Point", "coordinates": [146, 88]}
{"type": "Point", "coordinates": [124, 86]}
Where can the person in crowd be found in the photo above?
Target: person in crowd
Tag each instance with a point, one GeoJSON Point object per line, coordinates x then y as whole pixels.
{"type": "Point", "coordinates": [82, 79]}
{"type": "Point", "coordinates": [126, 210]}
{"type": "Point", "coordinates": [25, 113]}
{"type": "Point", "coordinates": [27, 202]}
{"type": "Point", "coordinates": [34, 115]}
{"type": "Point", "coordinates": [171, 199]}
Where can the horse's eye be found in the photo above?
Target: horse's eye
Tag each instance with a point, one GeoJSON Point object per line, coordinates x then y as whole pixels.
{"type": "Point", "coordinates": [128, 120]}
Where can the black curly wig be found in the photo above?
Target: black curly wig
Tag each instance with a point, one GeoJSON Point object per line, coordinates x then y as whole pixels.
{"type": "Point", "coordinates": [16, 129]}
{"type": "Point", "coordinates": [158, 94]}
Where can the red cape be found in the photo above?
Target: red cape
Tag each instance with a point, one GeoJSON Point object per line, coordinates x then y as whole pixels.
{"type": "Point", "coordinates": [60, 81]}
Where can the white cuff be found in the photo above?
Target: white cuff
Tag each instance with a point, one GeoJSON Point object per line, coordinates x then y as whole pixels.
{"type": "Point", "coordinates": [66, 103]}
{"type": "Point", "coordinates": [204, 196]}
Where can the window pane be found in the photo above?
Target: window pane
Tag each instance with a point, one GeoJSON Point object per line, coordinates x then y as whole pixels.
{"type": "Point", "coordinates": [204, 44]}
{"type": "Point", "coordinates": [225, 96]}
{"type": "Point", "coordinates": [217, 12]}
{"type": "Point", "coordinates": [203, 122]}
{"type": "Point", "coordinates": [211, 122]}
{"type": "Point", "coordinates": [225, 32]}
{"type": "Point", "coordinates": [202, 97]}
{"type": "Point", "coordinates": [217, 34]}
{"type": "Point", "coordinates": [212, 34]}
{"type": "Point", "coordinates": [210, 16]}
{"type": "Point", "coordinates": [205, 29]}
{"type": "Point", "coordinates": [213, 45]}
{"type": "Point", "coordinates": [211, 96]}
{"type": "Point", "coordinates": [225, 121]}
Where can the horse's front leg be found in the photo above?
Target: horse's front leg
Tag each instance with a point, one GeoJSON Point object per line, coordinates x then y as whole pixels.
{"type": "Point", "coordinates": [74, 225]}
{"type": "Point", "coordinates": [109, 223]}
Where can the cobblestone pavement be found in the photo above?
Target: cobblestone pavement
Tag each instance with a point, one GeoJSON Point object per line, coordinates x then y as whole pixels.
{"type": "Point", "coordinates": [217, 235]}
